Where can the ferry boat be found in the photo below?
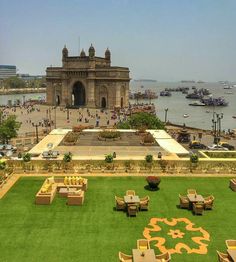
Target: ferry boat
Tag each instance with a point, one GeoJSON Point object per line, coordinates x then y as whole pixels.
{"type": "Point", "coordinates": [165, 93]}
{"type": "Point", "coordinates": [210, 101]}
{"type": "Point", "coordinates": [197, 103]}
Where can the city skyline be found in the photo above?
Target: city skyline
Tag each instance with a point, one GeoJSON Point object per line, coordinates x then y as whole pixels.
{"type": "Point", "coordinates": [164, 40]}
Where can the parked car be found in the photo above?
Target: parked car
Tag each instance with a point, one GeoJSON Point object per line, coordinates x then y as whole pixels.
{"type": "Point", "coordinates": [227, 145]}
{"type": "Point", "coordinates": [196, 145]}
{"type": "Point", "coordinates": [2, 154]}
{"type": "Point", "coordinates": [11, 147]}
{"type": "Point", "coordinates": [217, 147]}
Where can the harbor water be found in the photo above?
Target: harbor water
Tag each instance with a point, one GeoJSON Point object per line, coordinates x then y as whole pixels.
{"type": "Point", "coordinates": [178, 105]}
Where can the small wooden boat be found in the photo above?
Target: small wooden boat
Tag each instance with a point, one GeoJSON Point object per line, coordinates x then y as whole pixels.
{"type": "Point", "coordinates": [185, 115]}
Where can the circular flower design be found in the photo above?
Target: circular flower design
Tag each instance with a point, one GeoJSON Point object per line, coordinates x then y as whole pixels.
{"type": "Point", "coordinates": [197, 235]}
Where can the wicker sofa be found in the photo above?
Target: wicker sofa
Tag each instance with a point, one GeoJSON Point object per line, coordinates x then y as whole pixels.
{"type": "Point", "coordinates": [232, 184]}
{"type": "Point", "coordinates": [53, 185]}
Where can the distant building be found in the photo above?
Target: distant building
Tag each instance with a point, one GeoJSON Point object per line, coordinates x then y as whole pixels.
{"type": "Point", "coordinates": [88, 80]}
{"type": "Point", "coordinates": [7, 71]}
{"type": "Point", "coordinates": [28, 77]}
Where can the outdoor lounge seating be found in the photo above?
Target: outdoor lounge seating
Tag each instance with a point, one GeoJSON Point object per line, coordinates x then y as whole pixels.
{"type": "Point", "coordinates": [198, 208]}
{"type": "Point", "coordinates": [208, 202]}
{"type": "Point", "coordinates": [120, 203]}
{"type": "Point", "coordinates": [165, 257]}
{"type": "Point", "coordinates": [183, 202]}
{"type": "Point", "coordinates": [222, 257]}
{"type": "Point", "coordinates": [192, 191]}
{"type": "Point", "coordinates": [75, 198]}
{"type": "Point", "coordinates": [143, 244]}
{"type": "Point", "coordinates": [130, 193]}
{"type": "Point", "coordinates": [73, 190]}
{"type": "Point", "coordinates": [232, 184]}
{"type": "Point", "coordinates": [132, 210]}
{"type": "Point", "coordinates": [231, 244]}
{"type": "Point", "coordinates": [125, 258]}
{"type": "Point", "coordinates": [144, 203]}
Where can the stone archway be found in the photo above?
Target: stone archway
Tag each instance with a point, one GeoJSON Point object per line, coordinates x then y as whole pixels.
{"type": "Point", "coordinates": [122, 102]}
{"type": "Point", "coordinates": [78, 94]}
{"type": "Point", "coordinates": [58, 100]}
{"type": "Point", "coordinates": [103, 102]}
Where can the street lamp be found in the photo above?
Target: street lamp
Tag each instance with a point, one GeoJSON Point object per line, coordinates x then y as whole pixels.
{"type": "Point", "coordinates": [219, 117]}
{"type": "Point", "coordinates": [166, 110]}
{"type": "Point", "coordinates": [68, 113]}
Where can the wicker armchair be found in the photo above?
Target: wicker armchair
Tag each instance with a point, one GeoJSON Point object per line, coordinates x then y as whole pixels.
{"type": "Point", "coordinates": [232, 184]}
{"type": "Point", "coordinates": [130, 193]}
{"type": "Point", "coordinates": [143, 244]}
{"type": "Point", "coordinates": [208, 202]}
{"type": "Point", "coordinates": [163, 257]}
{"type": "Point", "coordinates": [198, 208]}
{"type": "Point", "coordinates": [132, 210]}
{"type": "Point", "coordinates": [144, 203]}
{"type": "Point", "coordinates": [222, 257]}
{"type": "Point", "coordinates": [192, 191]}
{"type": "Point", "coordinates": [125, 258]}
{"type": "Point", "coordinates": [230, 243]}
{"type": "Point", "coordinates": [183, 202]}
{"type": "Point", "coordinates": [120, 203]}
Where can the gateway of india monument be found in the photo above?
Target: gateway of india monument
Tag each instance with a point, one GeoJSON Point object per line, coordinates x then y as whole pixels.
{"type": "Point", "coordinates": [89, 81]}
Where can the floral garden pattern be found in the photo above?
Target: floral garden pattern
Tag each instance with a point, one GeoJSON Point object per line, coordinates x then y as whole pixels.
{"type": "Point", "coordinates": [196, 235]}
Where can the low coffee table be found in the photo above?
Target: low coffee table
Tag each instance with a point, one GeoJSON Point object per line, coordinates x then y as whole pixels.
{"type": "Point", "coordinates": [194, 199]}
{"type": "Point", "coordinates": [64, 191]}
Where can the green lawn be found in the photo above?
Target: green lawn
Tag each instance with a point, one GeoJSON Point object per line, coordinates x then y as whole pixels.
{"type": "Point", "coordinates": [95, 231]}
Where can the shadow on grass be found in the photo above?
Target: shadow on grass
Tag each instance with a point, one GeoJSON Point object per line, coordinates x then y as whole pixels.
{"type": "Point", "coordinates": [147, 187]}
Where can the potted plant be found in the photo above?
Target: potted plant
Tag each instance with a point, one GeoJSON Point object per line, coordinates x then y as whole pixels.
{"type": "Point", "coordinates": [109, 158]}
{"type": "Point", "coordinates": [67, 157]}
{"type": "Point", "coordinates": [27, 157]}
{"type": "Point", "coordinates": [153, 182]}
{"type": "Point", "coordinates": [194, 158]}
{"type": "Point", "coordinates": [149, 158]}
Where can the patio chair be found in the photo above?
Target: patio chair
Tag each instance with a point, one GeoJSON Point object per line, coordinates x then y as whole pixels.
{"type": "Point", "coordinates": [198, 208]}
{"type": "Point", "coordinates": [230, 243]}
{"type": "Point", "coordinates": [165, 257]}
{"type": "Point", "coordinates": [143, 244]}
{"type": "Point", "coordinates": [222, 257]}
{"type": "Point", "coordinates": [192, 191]}
{"type": "Point", "coordinates": [183, 202]}
{"type": "Point", "coordinates": [232, 184]}
{"type": "Point", "coordinates": [130, 193]}
{"type": "Point", "coordinates": [120, 203]}
{"type": "Point", "coordinates": [208, 202]}
{"type": "Point", "coordinates": [144, 203]}
{"type": "Point", "coordinates": [125, 258]}
{"type": "Point", "coordinates": [132, 210]}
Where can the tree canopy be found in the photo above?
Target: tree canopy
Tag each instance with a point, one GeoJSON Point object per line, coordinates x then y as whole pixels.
{"type": "Point", "coordinates": [14, 82]}
{"type": "Point", "coordinates": [142, 120]}
{"type": "Point", "coordinates": [8, 128]}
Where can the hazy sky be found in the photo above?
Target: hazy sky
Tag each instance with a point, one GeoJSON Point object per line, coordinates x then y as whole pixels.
{"type": "Point", "coordinates": [166, 40]}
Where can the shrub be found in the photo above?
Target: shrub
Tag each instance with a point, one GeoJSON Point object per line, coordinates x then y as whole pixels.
{"type": "Point", "coordinates": [79, 128]}
{"type": "Point", "coordinates": [194, 158]}
{"type": "Point", "coordinates": [67, 157]}
{"type": "Point", "coordinates": [109, 158]}
{"type": "Point", "coordinates": [149, 158]}
{"type": "Point", "coordinates": [153, 181]}
{"type": "Point", "coordinates": [71, 137]}
{"type": "Point", "coordinates": [148, 138]}
{"type": "Point", "coordinates": [2, 165]}
{"type": "Point", "coordinates": [109, 134]}
{"type": "Point", "coordinates": [27, 157]}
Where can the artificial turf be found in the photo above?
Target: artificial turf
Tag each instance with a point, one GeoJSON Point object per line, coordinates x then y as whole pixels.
{"type": "Point", "coordinates": [96, 232]}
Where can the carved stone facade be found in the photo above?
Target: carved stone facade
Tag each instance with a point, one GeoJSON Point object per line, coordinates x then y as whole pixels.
{"type": "Point", "coordinates": [88, 81]}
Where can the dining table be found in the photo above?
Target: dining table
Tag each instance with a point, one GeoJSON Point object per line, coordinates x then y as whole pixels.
{"type": "Point", "coordinates": [232, 254]}
{"type": "Point", "coordinates": [147, 255]}
{"type": "Point", "coordinates": [131, 199]}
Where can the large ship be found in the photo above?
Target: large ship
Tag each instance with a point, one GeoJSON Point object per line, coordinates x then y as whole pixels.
{"type": "Point", "coordinates": [165, 93]}
{"type": "Point", "coordinates": [210, 101]}
{"type": "Point", "coordinates": [147, 94]}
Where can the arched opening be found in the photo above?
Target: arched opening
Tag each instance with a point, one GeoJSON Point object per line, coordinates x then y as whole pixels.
{"type": "Point", "coordinates": [122, 102]}
{"type": "Point", "coordinates": [104, 102]}
{"type": "Point", "coordinates": [78, 94]}
{"type": "Point", "coordinates": [58, 101]}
